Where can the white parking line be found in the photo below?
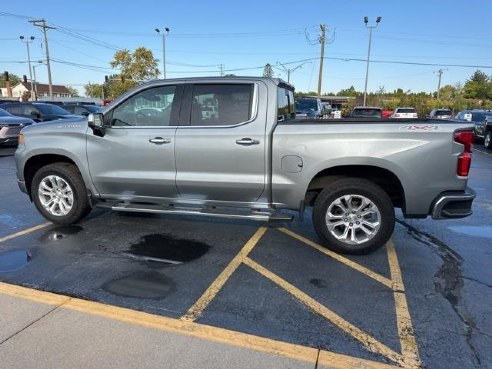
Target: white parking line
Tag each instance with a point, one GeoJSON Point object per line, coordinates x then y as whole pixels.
{"type": "Point", "coordinates": [482, 152]}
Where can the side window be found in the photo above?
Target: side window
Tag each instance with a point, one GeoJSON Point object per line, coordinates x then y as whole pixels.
{"type": "Point", "coordinates": [221, 104]}
{"type": "Point", "coordinates": [79, 110]}
{"type": "Point", "coordinates": [30, 110]}
{"type": "Point", "coordinates": [15, 109]}
{"type": "Point", "coordinates": [285, 105]}
{"type": "Point", "coordinates": [151, 107]}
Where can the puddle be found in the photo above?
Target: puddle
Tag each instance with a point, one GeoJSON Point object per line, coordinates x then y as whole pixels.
{"type": "Point", "coordinates": [318, 283]}
{"type": "Point", "coordinates": [60, 232]}
{"type": "Point", "coordinates": [166, 249]}
{"type": "Point", "coordinates": [141, 285]}
{"type": "Point", "coordinates": [475, 231]}
{"type": "Point", "coordinates": [11, 261]}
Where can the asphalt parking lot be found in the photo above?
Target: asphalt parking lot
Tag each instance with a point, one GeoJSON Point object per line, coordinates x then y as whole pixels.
{"type": "Point", "coordinates": [422, 301]}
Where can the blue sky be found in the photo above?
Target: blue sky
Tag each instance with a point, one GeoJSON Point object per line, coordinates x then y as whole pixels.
{"type": "Point", "coordinates": [245, 35]}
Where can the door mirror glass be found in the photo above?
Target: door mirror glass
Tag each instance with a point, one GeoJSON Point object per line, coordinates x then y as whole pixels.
{"type": "Point", "coordinates": [95, 120]}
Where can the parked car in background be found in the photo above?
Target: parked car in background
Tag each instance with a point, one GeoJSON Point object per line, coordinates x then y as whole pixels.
{"type": "Point", "coordinates": [367, 112]}
{"type": "Point", "coordinates": [479, 118]}
{"type": "Point", "coordinates": [10, 127]}
{"type": "Point", "coordinates": [441, 114]}
{"type": "Point", "coordinates": [39, 112]}
{"type": "Point", "coordinates": [404, 113]}
{"type": "Point", "coordinates": [309, 107]}
{"type": "Point", "coordinates": [82, 109]}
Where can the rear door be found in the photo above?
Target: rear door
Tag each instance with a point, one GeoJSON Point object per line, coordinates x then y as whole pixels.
{"type": "Point", "coordinates": [221, 157]}
{"type": "Point", "coordinates": [134, 160]}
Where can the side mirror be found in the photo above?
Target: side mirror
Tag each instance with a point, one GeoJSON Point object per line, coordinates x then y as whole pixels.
{"type": "Point", "coordinates": [85, 113]}
{"type": "Point", "coordinates": [35, 114]}
{"type": "Point", "coordinates": [96, 122]}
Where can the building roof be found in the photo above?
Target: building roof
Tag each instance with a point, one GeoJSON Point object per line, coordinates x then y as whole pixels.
{"type": "Point", "coordinates": [44, 88]}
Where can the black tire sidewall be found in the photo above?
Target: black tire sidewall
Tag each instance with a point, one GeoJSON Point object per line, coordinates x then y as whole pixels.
{"type": "Point", "coordinates": [354, 186]}
{"type": "Point", "coordinates": [70, 174]}
{"type": "Point", "coordinates": [489, 146]}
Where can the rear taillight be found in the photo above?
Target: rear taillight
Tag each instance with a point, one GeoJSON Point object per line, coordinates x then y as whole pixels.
{"type": "Point", "coordinates": [464, 137]}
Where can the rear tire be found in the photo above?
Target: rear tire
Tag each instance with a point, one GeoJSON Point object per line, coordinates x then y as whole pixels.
{"type": "Point", "coordinates": [59, 193]}
{"type": "Point", "coordinates": [353, 216]}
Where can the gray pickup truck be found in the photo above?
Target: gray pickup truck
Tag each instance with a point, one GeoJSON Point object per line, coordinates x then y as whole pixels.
{"type": "Point", "coordinates": [157, 149]}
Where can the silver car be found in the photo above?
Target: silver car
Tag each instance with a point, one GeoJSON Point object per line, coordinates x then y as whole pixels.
{"type": "Point", "coordinates": [441, 114]}
{"type": "Point", "coordinates": [10, 127]}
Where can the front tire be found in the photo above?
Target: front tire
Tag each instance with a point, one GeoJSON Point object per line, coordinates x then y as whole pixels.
{"type": "Point", "coordinates": [59, 193]}
{"type": "Point", "coordinates": [353, 216]}
{"type": "Point", "coordinates": [488, 140]}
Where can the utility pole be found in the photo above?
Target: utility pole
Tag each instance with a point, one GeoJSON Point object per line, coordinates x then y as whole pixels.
{"type": "Point", "coordinates": [322, 40]}
{"type": "Point", "coordinates": [366, 20]}
{"type": "Point", "coordinates": [221, 67]}
{"type": "Point", "coordinates": [439, 72]}
{"type": "Point", "coordinates": [27, 42]}
{"type": "Point", "coordinates": [41, 23]}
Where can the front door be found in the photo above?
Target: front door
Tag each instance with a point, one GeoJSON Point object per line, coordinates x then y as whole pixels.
{"type": "Point", "coordinates": [220, 151]}
{"type": "Point", "coordinates": [134, 160]}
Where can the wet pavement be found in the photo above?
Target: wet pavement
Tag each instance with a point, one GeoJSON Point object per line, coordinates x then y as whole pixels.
{"type": "Point", "coordinates": [284, 288]}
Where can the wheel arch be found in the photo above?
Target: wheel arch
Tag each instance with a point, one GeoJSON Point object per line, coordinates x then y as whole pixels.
{"type": "Point", "coordinates": [34, 163]}
{"type": "Point", "coordinates": [384, 178]}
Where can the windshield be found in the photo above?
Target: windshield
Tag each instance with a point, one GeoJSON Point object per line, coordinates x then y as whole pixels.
{"type": "Point", "coordinates": [443, 112]}
{"type": "Point", "coordinates": [406, 110]}
{"type": "Point", "coordinates": [306, 104]}
{"type": "Point", "coordinates": [4, 113]}
{"type": "Point", "coordinates": [51, 109]}
{"type": "Point", "coordinates": [367, 113]}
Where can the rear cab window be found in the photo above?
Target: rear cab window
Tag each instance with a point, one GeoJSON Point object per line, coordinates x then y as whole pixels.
{"type": "Point", "coordinates": [286, 108]}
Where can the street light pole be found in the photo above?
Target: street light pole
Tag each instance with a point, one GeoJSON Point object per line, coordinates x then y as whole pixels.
{"type": "Point", "coordinates": [290, 71]}
{"type": "Point", "coordinates": [27, 42]}
{"type": "Point", "coordinates": [35, 80]}
{"type": "Point", "coordinates": [366, 20]}
{"type": "Point", "coordinates": [163, 34]}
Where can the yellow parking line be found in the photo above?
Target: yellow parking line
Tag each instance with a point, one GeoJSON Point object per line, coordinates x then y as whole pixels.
{"type": "Point", "coordinates": [33, 295]}
{"type": "Point", "coordinates": [24, 232]}
{"type": "Point", "coordinates": [377, 277]}
{"type": "Point", "coordinates": [408, 341]}
{"type": "Point", "coordinates": [369, 342]}
{"type": "Point", "coordinates": [192, 329]}
{"type": "Point", "coordinates": [197, 309]}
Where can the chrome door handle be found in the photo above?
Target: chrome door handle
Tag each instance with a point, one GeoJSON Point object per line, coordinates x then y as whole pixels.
{"type": "Point", "coordinates": [160, 140]}
{"type": "Point", "coordinates": [247, 142]}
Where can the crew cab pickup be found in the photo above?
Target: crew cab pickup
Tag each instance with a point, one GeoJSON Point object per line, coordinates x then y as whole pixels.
{"type": "Point", "coordinates": [154, 150]}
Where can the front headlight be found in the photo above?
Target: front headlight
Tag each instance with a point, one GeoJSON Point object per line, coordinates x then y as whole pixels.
{"type": "Point", "coordinates": [21, 138]}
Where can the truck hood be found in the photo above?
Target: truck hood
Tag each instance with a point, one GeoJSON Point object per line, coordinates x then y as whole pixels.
{"type": "Point", "coordinates": [78, 124]}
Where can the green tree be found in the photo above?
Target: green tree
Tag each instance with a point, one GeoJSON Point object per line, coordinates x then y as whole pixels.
{"type": "Point", "coordinates": [350, 92]}
{"type": "Point", "coordinates": [137, 66]}
{"type": "Point", "coordinates": [93, 90]}
{"type": "Point", "coordinates": [14, 79]}
{"type": "Point", "coordinates": [73, 91]}
{"type": "Point", "coordinates": [479, 86]}
{"type": "Point", "coordinates": [268, 71]}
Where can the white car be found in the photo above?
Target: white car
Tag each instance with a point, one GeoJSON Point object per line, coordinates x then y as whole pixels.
{"type": "Point", "coordinates": [404, 113]}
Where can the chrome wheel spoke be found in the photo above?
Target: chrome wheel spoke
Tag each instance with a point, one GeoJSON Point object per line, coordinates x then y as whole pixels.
{"type": "Point", "coordinates": [55, 195]}
{"type": "Point", "coordinates": [353, 219]}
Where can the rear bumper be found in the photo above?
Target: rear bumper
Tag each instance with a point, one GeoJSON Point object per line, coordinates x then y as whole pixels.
{"type": "Point", "coordinates": [453, 204]}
